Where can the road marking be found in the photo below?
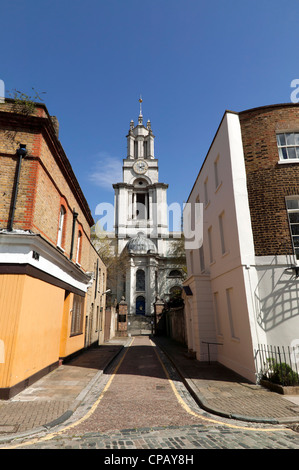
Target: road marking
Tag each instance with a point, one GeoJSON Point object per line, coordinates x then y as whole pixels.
{"type": "Point", "coordinates": [188, 409]}
{"type": "Point", "coordinates": [52, 435]}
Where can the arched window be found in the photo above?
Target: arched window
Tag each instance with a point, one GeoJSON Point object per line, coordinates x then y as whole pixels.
{"type": "Point", "coordinates": [61, 227]}
{"type": "Point", "coordinates": [175, 273]}
{"type": "Point", "coordinates": [140, 280]}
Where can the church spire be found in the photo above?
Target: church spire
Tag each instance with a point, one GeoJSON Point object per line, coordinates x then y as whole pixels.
{"type": "Point", "coordinates": [140, 118]}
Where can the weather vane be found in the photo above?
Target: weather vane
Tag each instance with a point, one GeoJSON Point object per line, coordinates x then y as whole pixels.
{"type": "Point", "coordinates": [140, 101]}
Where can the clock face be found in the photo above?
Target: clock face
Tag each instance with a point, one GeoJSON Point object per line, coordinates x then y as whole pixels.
{"type": "Point", "coordinates": [140, 167]}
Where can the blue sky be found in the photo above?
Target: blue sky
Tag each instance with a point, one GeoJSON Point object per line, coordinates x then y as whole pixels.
{"type": "Point", "coordinates": [189, 59]}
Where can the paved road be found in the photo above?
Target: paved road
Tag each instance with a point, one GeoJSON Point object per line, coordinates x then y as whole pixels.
{"type": "Point", "coordinates": [142, 404]}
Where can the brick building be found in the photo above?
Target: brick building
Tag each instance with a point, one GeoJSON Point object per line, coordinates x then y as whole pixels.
{"type": "Point", "coordinates": [242, 282]}
{"type": "Point", "coordinates": [52, 281]}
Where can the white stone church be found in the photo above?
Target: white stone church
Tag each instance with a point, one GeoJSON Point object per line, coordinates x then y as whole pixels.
{"type": "Point", "coordinates": [141, 228]}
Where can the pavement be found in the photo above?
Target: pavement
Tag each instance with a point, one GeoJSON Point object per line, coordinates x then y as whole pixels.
{"type": "Point", "coordinates": [54, 398]}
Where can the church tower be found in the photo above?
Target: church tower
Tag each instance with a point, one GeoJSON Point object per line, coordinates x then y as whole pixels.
{"type": "Point", "coordinates": [141, 227]}
{"type": "Point", "coordinates": [140, 200]}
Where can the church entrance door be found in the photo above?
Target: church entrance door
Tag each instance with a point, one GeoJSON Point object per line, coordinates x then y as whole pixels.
{"type": "Point", "coordinates": [140, 305]}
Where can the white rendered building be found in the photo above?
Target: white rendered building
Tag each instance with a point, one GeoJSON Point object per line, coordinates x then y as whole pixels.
{"type": "Point", "coordinates": [242, 286]}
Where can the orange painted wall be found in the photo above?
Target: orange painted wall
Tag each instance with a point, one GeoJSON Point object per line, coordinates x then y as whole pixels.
{"type": "Point", "coordinates": [70, 344]}
{"type": "Point", "coordinates": [11, 292]}
{"type": "Point", "coordinates": [30, 324]}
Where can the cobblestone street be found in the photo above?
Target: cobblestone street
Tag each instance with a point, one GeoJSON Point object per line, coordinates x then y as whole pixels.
{"type": "Point", "coordinates": [141, 403]}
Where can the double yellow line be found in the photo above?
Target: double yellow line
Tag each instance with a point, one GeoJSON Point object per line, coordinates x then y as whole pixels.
{"type": "Point", "coordinates": [188, 409]}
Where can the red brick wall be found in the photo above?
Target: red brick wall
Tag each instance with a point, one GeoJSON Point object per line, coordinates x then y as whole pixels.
{"type": "Point", "coordinates": [46, 182]}
{"type": "Point", "coordinates": [268, 182]}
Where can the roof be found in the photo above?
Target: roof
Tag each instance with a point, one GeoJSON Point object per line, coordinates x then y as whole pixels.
{"type": "Point", "coordinates": [141, 245]}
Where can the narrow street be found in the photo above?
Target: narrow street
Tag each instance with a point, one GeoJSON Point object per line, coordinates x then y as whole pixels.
{"type": "Point", "coordinates": [140, 403]}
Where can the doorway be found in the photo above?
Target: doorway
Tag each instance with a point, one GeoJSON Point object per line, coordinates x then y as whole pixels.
{"type": "Point", "coordinates": [140, 305]}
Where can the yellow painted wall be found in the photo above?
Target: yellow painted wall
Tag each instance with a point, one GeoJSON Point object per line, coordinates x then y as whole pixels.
{"type": "Point", "coordinates": [31, 315]}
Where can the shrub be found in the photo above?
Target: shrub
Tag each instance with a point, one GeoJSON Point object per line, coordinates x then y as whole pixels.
{"type": "Point", "coordinates": [281, 373]}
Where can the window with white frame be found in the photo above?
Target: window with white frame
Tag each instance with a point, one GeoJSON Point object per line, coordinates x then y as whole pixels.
{"type": "Point", "coordinates": [288, 145]}
{"type": "Point", "coordinates": [293, 216]}
{"type": "Point", "coordinates": [79, 241]}
{"type": "Point", "coordinates": [61, 226]}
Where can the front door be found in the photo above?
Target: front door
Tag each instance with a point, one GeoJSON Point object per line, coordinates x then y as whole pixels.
{"type": "Point", "coordinates": [140, 305]}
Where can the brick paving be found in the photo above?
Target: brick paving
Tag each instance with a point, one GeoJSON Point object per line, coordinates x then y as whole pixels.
{"type": "Point", "coordinates": [222, 392]}
{"type": "Point", "coordinates": [139, 396]}
{"type": "Point", "coordinates": [59, 393]}
{"type": "Point", "coordinates": [136, 408]}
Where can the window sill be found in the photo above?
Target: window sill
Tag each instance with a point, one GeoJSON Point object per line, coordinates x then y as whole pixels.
{"type": "Point", "coordinates": [288, 160]}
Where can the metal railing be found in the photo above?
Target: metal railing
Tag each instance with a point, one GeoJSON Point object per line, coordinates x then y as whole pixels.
{"type": "Point", "coordinates": [279, 364]}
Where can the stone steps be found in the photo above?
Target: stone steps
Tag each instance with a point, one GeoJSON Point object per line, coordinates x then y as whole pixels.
{"type": "Point", "coordinates": [139, 325]}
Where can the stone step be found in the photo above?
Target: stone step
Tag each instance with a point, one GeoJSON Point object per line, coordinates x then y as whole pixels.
{"type": "Point", "coordinates": [139, 325]}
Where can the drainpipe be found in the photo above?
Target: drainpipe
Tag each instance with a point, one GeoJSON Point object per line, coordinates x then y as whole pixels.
{"type": "Point", "coordinates": [75, 216]}
{"type": "Point", "coordinates": [22, 152]}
